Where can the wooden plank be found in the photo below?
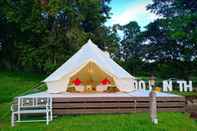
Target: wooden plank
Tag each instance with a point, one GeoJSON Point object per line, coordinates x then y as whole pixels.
{"type": "Point", "coordinates": [97, 99]}
{"type": "Point", "coordinates": [144, 104]}
{"type": "Point", "coordinates": [88, 105]}
{"type": "Point", "coordinates": [92, 99]}
{"type": "Point", "coordinates": [95, 111]}
{"type": "Point", "coordinates": [191, 108]}
{"type": "Point", "coordinates": [171, 104]}
{"type": "Point", "coordinates": [171, 109]}
{"type": "Point", "coordinates": [121, 105]}
{"type": "Point", "coordinates": [90, 111]}
{"type": "Point", "coordinates": [170, 98]}
{"type": "Point", "coordinates": [162, 104]}
{"type": "Point", "coordinates": [174, 98]}
{"type": "Point", "coordinates": [140, 99]}
{"type": "Point", "coordinates": [141, 109]}
{"type": "Point", "coordinates": [86, 99]}
{"type": "Point", "coordinates": [161, 109]}
{"type": "Point", "coordinates": [114, 104]}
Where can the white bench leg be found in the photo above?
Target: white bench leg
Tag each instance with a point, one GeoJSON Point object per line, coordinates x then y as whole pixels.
{"type": "Point", "coordinates": [47, 117]}
{"type": "Point", "coordinates": [19, 116]}
{"type": "Point", "coordinates": [51, 115]}
{"type": "Point", "coordinates": [50, 110]}
{"type": "Point", "coordinates": [13, 119]}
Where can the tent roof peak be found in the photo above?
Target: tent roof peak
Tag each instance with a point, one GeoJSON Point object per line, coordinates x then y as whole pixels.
{"type": "Point", "coordinates": [90, 41]}
{"type": "Point", "coordinates": [89, 44]}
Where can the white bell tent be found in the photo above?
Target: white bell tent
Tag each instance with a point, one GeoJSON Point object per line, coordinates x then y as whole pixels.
{"type": "Point", "coordinates": [89, 62]}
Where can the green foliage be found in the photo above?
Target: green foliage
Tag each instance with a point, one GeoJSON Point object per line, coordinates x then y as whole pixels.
{"type": "Point", "coordinates": [170, 8]}
{"type": "Point", "coordinates": [129, 43]}
{"type": "Point", "coordinates": [45, 36]}
{"type": "Point", "coordinates": [168, 46]}
{"type": "Point", "coordinates": [136, 66]}
{"type": "Point", "coordinates": [180, 26]}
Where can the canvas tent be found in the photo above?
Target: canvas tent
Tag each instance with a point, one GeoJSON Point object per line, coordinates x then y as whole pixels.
{"type": "Point", "coordinates": [79, 65]}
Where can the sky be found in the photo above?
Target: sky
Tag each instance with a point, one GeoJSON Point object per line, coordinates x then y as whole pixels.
{"type": "Point", "coordinates": [124, 11]}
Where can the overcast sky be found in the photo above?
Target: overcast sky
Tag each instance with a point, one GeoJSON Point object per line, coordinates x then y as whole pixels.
{"type": "Point", "coordinates": [124, 11]}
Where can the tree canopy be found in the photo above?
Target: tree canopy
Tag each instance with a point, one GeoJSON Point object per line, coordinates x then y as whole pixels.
{"type": "Point", "coordinates": [40, 35]}
{"type": "Point", "coordinates": [168, 45]}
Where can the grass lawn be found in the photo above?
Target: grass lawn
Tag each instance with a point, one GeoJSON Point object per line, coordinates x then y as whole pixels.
{"type": "Point", "coordinates": [13, 84]}
{"type": "Point", "coordinates": [120, 122]}
{"type": "Point", "coordinates": [16, 83]}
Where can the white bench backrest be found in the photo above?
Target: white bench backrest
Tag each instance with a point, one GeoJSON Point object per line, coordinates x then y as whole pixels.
{"type": "Point", "coordinates": [32, 102]}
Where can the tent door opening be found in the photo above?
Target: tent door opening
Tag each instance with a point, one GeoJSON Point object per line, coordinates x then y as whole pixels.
{"type": "Point", "coordinates": [91, 78]}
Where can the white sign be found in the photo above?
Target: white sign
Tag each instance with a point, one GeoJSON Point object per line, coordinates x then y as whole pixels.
{"type": "Point", "coordinates": [183, 86]}
{"type": "Point", "coordinates": [142, 85]}
{"type": "Point", "coordinates": [167, 85]}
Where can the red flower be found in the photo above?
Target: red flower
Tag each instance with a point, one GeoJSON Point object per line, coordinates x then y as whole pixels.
{"type": "Point", "coordinates": [105, 81]}
{"type": "Point", "coordinates": [77, 81]}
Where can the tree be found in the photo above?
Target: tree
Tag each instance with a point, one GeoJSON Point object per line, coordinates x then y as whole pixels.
{"type": "Point", "coordinates": [172, 39]}
{"type": "Point", "coordinates": [157, 45]}
{"type": "Point", "coordinates": [130, 47]}
{"type": "Point", "coordinates": [180, 19]}
{"type": "Point", "coordinates": [8, 30]}
{"type": "Point", "coordinates": [173, 8]}
{"type": "Point", "coordinates": [45, 33]}
{"type": "Point", "coordinates": [129, 43]}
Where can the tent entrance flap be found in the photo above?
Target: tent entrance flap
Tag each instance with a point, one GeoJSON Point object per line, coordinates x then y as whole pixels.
{"type": "Point", "coordinates": [91, 74]}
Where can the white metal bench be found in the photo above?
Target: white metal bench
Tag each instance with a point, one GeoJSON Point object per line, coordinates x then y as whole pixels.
{"type": "Point", "coordinates": [31, 105]}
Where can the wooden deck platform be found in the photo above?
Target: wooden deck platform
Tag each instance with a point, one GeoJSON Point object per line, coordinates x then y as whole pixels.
{"type": "Point", "coordinates": [120, 102]}
{"type": "Point", "coordinates": [95, 105]}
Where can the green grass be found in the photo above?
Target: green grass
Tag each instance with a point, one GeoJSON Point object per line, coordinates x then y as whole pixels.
{"type": "Point", "coordinates": [16, 83]}
{"type": "Point", "coordinates": [13, 84]}
{"type": "Point", "coordinates": [120, 122]}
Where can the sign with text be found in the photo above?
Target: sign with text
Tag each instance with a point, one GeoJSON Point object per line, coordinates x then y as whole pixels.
{"type": "Point", "coordinates": [167, 85]}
